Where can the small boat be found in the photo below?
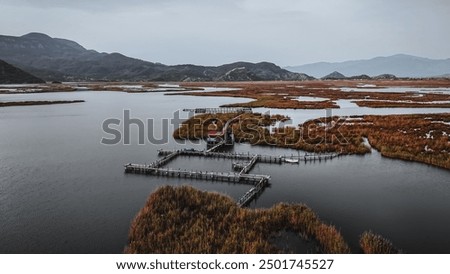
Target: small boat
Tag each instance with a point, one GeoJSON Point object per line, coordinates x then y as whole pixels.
{"type": "Point", "coordinates": [292, 161]}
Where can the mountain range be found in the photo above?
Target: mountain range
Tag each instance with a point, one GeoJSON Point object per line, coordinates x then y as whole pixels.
{"type": "Point", "coordinates": [55, 59]}
{"type": "Point", "coordinates": [401, 65]}
{"type": "Point", "coordinates": [12, 75]}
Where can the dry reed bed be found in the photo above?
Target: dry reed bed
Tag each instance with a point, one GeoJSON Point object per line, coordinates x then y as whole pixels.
{"type": "Point", "coordinates": [186, 220]}
{"type": "Point", "coordinates": [372, 243]}
{"type": "Point", "coordinates": [421, 137]}
{"type": "Point", "coordinates": [283, 94]}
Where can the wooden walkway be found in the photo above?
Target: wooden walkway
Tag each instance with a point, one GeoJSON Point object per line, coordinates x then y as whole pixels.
{"type": "Point", "coordinates": [238, 178]}
{"type": "Point", "coordinates": [247, 161]}
{"type": "Point", "coordinates": [166, 159]}
{"type": "Point", "coordinates": [252, 193]}
{"type": "Point", "coordinates": [220, 110]}
{"type": "Point", "coordinates": [249, 166]}
{"type": "Point", "coordinates": [216, 147]}
{"type": "Point", "coordinates": [269, 159]}
{"type": "Point", "coordinates": [258, 182]}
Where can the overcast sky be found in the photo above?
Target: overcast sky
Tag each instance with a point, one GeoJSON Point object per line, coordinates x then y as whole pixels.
{"type": "Point", "coordinates": [213, 32]}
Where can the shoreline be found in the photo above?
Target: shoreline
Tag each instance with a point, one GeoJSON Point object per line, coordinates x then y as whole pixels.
{"type": "Point", "coordinates": [38, 103]}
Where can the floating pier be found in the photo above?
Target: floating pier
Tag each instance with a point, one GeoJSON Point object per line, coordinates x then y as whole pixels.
{"type": "Point", "coordinates": [252, 193]}
{"type": "Point", "coordinates": [249, 166]}
{"type": "Point", "coordinates": [248, 161]}
{"type": "Point", "coordinates": [216, 147]}
{"type": "Point", "coordinates": [248, 179]}
{"type": "Point", "coordinates": [269, 159]}
{"type": "Point", "coordinates": [166, 159]}
{"type": "Point", "coordinates": [245, 161]}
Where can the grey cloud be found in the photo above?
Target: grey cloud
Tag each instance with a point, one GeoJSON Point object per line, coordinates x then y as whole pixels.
{"type": "Point", "coordinates": [106, 5]}
{"type": "Point", "coordinates": [211, 32]}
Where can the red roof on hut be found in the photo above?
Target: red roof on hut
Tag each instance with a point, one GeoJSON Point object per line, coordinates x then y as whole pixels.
{"type": "Point", "coordinates": [214, 133]}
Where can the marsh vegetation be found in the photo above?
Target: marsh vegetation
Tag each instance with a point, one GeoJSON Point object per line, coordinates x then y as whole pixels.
{"type": "Point", "coordinates": [419, 137]}
{"type": "Point", "coordinates": [283, 95]}
{"type": "Point", "coordinates": [186, 220]}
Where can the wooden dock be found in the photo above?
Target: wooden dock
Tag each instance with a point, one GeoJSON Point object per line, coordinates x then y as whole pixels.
{"type": "Point", "coordinates": [269, 159]}
{"type": "Point", "coordinates": [252, 193]}
{"type": "Point", "coordinates": [258, 182]}
{"type": "Point", "coordinates": [220, 110]}
{"type": "Point", "coordinates": [246, 161]}
{"type": "Point", "coordinates": [166, 159]}
{"type": "Point", "coordinates": [249, 166]}
{"type": "Point", "coordinates": [310, 157]}
{"type": "Point", "coordinates": [216, 147]}
{"type": "Point", "coordinates": [248, 179]}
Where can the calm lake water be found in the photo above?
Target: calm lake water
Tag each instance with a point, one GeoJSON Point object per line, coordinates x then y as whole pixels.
{"type": "Point", "coordinates": [62, 191]}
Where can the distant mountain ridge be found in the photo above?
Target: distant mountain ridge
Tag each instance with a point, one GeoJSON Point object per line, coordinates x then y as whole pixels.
{"type": "Point", "coordinates": [334, 76]}
{"type": "Point", "coordinates": [401, 65]}
{"type": "Point", "coordinates": [12, 75]}
{"type": "Point", "coordinates": [65, 60]}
